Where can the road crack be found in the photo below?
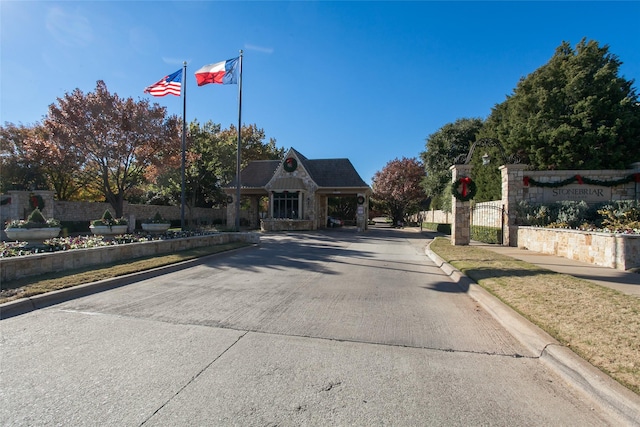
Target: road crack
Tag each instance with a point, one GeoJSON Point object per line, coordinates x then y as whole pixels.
{"type": "Point", "coordinates": [194, 378]}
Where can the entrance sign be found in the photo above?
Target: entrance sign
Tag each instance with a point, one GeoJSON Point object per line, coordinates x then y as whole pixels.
{"type": "Point", "coordinates": [588, 193]}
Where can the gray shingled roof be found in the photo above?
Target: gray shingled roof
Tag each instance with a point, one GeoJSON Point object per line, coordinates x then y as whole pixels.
{"type": "Point", "coordinates": [334, 173]}
{"type": "Point", "coordinates": [325, 172]}
{"type": "Point", "coordinates": [257, 173]}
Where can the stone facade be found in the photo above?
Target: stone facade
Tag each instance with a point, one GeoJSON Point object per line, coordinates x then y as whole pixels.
{"type": "Point", "coordinates": [460, 211]}
{"type": "Point", "coordinates": [620, 251]}
{"type": "Point", "coordinates": [512, 193]}
{"type": "Point", "coordinates": [17, 206]}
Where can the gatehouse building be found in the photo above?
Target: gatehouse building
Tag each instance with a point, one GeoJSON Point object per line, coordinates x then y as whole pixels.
{"type": "Point", "coordinates": [293, 193]}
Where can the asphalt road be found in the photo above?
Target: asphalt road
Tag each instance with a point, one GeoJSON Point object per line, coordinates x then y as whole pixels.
{"type": "Point", "coordinates": [337, 328]}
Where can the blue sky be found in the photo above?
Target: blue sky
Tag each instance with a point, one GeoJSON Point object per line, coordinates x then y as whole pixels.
{"type": "Point", "coordinates": [368, 81]}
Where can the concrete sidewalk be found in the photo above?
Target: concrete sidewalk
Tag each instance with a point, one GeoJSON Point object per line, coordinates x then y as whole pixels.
{"type": "Point", "coordinates": [622, 281]}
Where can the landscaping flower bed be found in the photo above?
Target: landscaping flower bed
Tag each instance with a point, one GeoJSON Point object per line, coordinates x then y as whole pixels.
{"type": "Point", "coordinates": [616, 217]}
{"type": "Point", "coordinates": [12, 249]}
{"type": "Point", "coordinates": [75, 253]}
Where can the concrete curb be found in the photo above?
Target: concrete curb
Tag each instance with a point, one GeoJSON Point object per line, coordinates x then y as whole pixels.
{"type": "Point", "coordinates": [618, 402]}
{"type": "Point", "coordinates": [25, 305]}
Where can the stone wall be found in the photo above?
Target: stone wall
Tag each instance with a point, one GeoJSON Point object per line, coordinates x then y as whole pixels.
{"type": "Point", "coordinates": [620, 251]}
{"type": "Point", "coordinates": [433, 216]}
{"type": "Point", "coordinates": [31, 265]}
{"type": "Point", "coordinates": [19, 208]}
{"type": "Point", "coordinates": [83, 211]}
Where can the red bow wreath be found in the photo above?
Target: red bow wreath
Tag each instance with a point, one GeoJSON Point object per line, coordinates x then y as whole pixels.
{"type": "Point", "coordinates": [468, 189]}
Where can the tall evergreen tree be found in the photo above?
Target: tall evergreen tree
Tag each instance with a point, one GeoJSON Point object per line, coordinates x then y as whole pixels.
{"type": "Point", "coordinates": [575, 112]}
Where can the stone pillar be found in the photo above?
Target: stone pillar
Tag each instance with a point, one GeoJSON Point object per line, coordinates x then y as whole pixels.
{"type": "Point", "coordinates": [270, 214]}
{"type": "Point", "coordinates": [231, 211]}
{"type": "Point", "coordinates": [19, 208]}
{"type": "Point", "coordinates": [461, 211]}
{"type": "Point", "coordinates": [131, 223]}
{"type": "Point", "coordinates": [513, 190]}
{"type": "Point", "coordinates": [254, 212]}
{"type": "Point", "coordinates": [362, 214]}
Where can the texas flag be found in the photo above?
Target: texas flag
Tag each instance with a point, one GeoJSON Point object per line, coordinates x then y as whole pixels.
{"type": "Point", "coordinates": [225, 72]}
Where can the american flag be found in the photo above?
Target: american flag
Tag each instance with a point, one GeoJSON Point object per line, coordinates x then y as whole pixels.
{"type": "Point", "coordinates": [169, 85]}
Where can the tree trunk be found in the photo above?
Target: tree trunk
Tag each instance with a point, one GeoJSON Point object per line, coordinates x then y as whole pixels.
{"type": "Point", "coordinates": [117, 203]}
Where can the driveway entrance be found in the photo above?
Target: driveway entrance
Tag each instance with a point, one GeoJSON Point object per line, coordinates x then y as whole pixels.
{"type": "Point", "coordinates": [335, 328]}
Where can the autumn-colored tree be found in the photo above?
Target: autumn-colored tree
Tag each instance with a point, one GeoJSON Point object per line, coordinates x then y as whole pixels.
{"type": "Point", "coordinates": [117, 139]}
{"type": "Point", "coordinates": [17, 171]}
{"type": "Point", "coordinates": [62, 164]}
{"type": "Point", "coordinates": [39, 162]}
{"type": "Point", "coordinates": [397, 187]}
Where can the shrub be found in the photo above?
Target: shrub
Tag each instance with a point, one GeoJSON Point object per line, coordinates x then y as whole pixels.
{"type": "Point", "coordinates": [157, 219]}
{"type": "Point", "coordinates": [536, 215]}
{"type": "Point", "coordinates": [108, 220]}
{"type": "Point", "coordinates": [571, 213]}
{"type": "Point", "coordinates": [35, 220]}
{"type": "Point", "coordinates": [486, 234]}
{"type": "Point", "coordinates": [440, 228]}
{"type": "Point", "coordinates": [622, 215]}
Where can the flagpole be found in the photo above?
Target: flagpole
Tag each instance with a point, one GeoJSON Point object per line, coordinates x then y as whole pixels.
{"type": "Point", "coordinates": [184, 143]}
{"type": "Point", "coordinates": [239, 145]}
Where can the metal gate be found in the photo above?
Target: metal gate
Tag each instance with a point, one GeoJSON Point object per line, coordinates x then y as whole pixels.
{"type": "Point", "coordinates": [487, 222]}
